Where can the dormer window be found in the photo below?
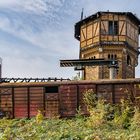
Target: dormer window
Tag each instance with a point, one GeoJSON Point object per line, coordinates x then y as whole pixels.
{"type": "Point", "coordinates": [113, 28]}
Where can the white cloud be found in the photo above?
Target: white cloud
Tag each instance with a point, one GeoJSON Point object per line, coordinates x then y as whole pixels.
{"type": "Point", "coordinates": [35, 6]}
{"type": "Point", "coordinates": [32, 6]}
{"type": "Point", "coordinates": [21, 61]}
{"type": "Point", "coordinates": [23, 28]}
{"type": "Point", "coordinates": [5, 3]}
{"type": "Point", "coordinates": [20, 19]}
{"type": "Point", "coordinates": [53, 40]}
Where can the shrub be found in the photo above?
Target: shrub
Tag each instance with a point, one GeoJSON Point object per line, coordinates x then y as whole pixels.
{"type": "Point", "coordinates": [106, 122]}
{"type": "Point", "coordinates": [96, 109]}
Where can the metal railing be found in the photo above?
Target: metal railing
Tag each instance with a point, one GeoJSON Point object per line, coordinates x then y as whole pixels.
{"type": "Point", "coordinates": [21, 80]}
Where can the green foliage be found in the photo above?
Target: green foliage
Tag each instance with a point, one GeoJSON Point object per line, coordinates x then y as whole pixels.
{"type": "Point", "coordinates": [90, 98]}
{"type": "Point", "coordinates": [123, 114]}
{"type": "Point", "coordinates": [39, 117]}
{"type": "Point", "coordinates": [96, 109]}
{"type": "Point", "coordinates": [135, 120]}
{"type": "Point", "coordinates": [105, 122]}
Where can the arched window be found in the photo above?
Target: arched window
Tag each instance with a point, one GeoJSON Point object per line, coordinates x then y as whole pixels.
{"type": "Point", "coordinates": [108, 56]}
{"type": "Point", "coordinates": [111, 56]}
{"type": "Point", "coordinates": [128, 60]}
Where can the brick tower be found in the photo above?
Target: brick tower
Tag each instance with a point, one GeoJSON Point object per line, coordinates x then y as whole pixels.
{"type": "Point", "coordinates": [109, 35]}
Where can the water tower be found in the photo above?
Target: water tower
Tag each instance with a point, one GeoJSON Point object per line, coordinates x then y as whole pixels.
{"type": "Point", "coordinates": [109, 35]}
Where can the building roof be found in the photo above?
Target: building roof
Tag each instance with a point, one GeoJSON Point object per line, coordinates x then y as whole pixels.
{"type": "Point", "coordinates": [130, 15]}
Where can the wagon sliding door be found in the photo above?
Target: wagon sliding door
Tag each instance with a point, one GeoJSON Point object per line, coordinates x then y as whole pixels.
{"type": "Point", "coordinates": [36, 103]}
{"type": "Point", "coordinates": [20, 102]}
{"type": "Point", "coordinates": [6, 101]}
{"type": "Point", "coordinates": [68, 100]}
{"type": "Point", "coordinates": [51, 101]}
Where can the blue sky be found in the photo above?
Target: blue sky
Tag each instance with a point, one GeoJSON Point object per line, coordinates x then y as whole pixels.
{"type": "Point", "coordinates": [36, 34]}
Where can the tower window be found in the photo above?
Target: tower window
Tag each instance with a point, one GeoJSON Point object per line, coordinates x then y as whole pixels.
{"type": "Point", "coordinates": [128, 60]}
{"type": "Point", "coordinates": [112, 56]}
{"type": "Point", "coordinates": [113, 28]}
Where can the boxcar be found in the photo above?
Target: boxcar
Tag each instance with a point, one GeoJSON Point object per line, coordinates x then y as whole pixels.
{"type": "Point", "coordinates": [23, 100]}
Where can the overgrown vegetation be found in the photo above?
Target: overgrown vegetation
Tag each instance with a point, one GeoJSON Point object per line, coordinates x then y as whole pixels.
{"type": "Point", "coordinates": [105, 122]}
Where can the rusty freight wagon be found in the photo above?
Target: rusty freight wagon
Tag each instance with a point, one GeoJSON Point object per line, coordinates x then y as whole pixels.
{"type": "Point", "coordinates": [24, 99]}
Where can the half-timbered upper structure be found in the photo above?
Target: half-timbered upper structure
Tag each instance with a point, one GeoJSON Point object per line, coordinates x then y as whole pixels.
{"type": "Point", "coordinates": [109, 35]}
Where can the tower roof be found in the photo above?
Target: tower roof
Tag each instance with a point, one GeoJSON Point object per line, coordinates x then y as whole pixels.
{"type": "Point", "coordinates": [130, 15]}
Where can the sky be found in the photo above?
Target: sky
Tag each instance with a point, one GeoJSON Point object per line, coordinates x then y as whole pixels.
{"type": "Point", "coordinates": [36, 34]}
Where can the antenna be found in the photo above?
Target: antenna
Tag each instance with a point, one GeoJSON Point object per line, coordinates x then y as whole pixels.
{"type": "Point", "coordinates": [82, 13]}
